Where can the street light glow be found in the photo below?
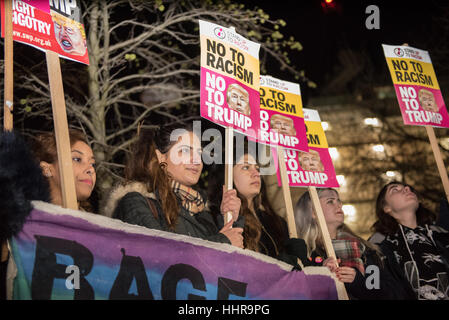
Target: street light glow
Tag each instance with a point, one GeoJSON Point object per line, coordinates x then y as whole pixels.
{"type": "Point", "coordinates": [390, 174]}
{"type": "Point", "coordinates": [350, 212]}
{"type": "Point", "coordinates": [378, 148]}
{"type": "Point", "coordinates": [372, 122]}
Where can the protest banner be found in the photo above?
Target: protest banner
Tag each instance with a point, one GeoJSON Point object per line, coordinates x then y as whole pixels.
{"type": "Point", "coordinates": [312, 168]}
{"type": "Point", "coordinates": [419, 95]}
{"type": "Point", "coordinates": [68, 254]}
{"type": "Point", "coordinates": [50, 25]}
{"type": "Point", "coordinates": [281, 115]}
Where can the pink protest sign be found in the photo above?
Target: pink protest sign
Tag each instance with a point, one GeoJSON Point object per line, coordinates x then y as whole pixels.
{"type": "Point", "coordinates": [417, 89]}
{"type": "Point", "coordinates": [43, 5]}
{"type": "Point", "coordinates": [312, 168]}
{"type": "Point", "coordinates": [229, 79]}
{"type": "Point", "coordinates": [56, 27]}
{"type": "Point", "coordinates": [281, 115]}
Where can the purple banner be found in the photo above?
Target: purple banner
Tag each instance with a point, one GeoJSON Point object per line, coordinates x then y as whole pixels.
{"type": "Point", "coordinates": [67, 254]}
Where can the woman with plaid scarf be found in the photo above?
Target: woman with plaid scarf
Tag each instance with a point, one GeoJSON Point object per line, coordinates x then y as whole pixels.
{"type": "Point", "coordinates": [158, 192]}
{"type": "Point", "coordinates": [354, 253]}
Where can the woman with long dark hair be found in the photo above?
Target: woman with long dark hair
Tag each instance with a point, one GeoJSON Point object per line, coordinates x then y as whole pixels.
{"type": "Point", "coordinates": [264, 231]}
{"type": "Point", "coordinates": [414, 245]}
{"type": "Point", "coordinates": [158, 192]}
{"type": "Point", "coordinates": [83, 164]}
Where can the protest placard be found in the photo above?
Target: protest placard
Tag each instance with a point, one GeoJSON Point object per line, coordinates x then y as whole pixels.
{"type": "Point", "coordinates": [419, 95]}
{"type": "Point", "coordinates": [315, 167]}
{"type": "Point", "coordinates": [417, 90]}
{"type": "Point", "coordinates": [281, 115]}
{"type": "Point", "coordinates": [229, 79]}
{"type": "Point", "coordinates": [50, 25]}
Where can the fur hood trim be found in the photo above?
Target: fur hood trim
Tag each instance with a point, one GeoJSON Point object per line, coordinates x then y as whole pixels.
{"type": "Point", "coordinates": [120, 191]}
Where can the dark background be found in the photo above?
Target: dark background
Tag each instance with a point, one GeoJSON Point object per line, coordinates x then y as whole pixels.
{"type": "Point", "coordinates": [324, 29]}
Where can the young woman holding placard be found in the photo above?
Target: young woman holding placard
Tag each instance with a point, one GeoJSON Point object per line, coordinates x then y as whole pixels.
{"type": "Point", "coordinates": [159, 189]}
{"type": "Point", "coordinates": [360, 265]}
{"type": "Point", "coordinates": [264, 231]}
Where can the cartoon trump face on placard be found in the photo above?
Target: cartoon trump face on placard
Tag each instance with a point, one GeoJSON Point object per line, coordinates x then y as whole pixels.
{"type": "Point", "coordinates": [69, 34]}
{"type": "Point", "coordinates": [311, 161]}
{"type": "Point", "coordinates": [282, 124]}
{"type": "Point", "coordinates": [238, 99]}
{"type": "Point", "coordinates": [427, 100]}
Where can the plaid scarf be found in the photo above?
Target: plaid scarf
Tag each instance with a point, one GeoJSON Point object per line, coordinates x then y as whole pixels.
{"type": "Point", "coordinates": [191, 200]}
{"type": "Point", "coordinates": [350, 250]}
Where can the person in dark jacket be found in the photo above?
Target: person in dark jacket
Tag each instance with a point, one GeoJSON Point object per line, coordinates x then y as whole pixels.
{"type": "Point", "coordinates": [31, 172]}
{"type": "Point", "coordinates": [158, 192]}
{"type": "Point", "coordinates": [416, 247]}
{"type": "Point", "coordinates": [264, 231]}
{"type": "Point", "coordinates": [359, 261]}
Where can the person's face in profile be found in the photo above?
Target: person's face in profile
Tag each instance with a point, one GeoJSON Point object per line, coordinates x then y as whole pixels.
{"type": "Point", "coordinates": [427, 101]}
{"type": "Point", "coordinates": [283, 125]}
{"type": "Point", "coordinates": [238, 100]}
{"type": "Point", "coordinates": [310, 161]}
{"type": "Point", "coordinates": [69, 37]}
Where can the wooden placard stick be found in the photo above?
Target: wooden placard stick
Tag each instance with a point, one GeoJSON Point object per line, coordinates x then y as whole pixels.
{"type": "Point", "coordinates": [9, 70]}
{"type": "Point", "coordinates": [439, 160]}
{"type": "Point", "coordinates": [8, 88]}
{"type": "Point", "coordinates": [291, 224]}
{"type": "Point", "coordinates": [437, 154]}
{"type": "Point", "coordinates": [69, 199]}
{"type": "Point", "coordinates": [330, 252]}
{"type": "Point", "coordinates": [292, 232]}
{"type": "Point", "coordinates": [229, 161]}
{"type": "Point", "coordinates": [229, 164]}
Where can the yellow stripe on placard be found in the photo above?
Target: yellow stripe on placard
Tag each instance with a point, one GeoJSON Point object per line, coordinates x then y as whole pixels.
{"type": "Point", "coordinates": [227, 60]}
{"type": "Point", "coordinates": [281, 101]}
{"type": "Point", "coordinates": [315, 135]}
{"type": "Point", "coordinates": [411, 72]}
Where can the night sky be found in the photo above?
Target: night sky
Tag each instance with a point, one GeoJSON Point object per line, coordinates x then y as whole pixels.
{"type": "Point", "coordinates": [322, 32]}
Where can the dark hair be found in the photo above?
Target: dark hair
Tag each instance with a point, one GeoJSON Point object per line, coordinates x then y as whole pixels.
{"type": "Point", "coordinates": [143, 166]}
{"type": "Point", "coordinates": [44, 147]}
{"type": "Point", "coordinates": [252, 230]}
{"type": "Point", "coordinates": [386, 224]}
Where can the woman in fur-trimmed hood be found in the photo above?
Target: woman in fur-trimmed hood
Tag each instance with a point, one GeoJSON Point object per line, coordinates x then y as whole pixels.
{"type": "Point", "coordinates": [158, 190]}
